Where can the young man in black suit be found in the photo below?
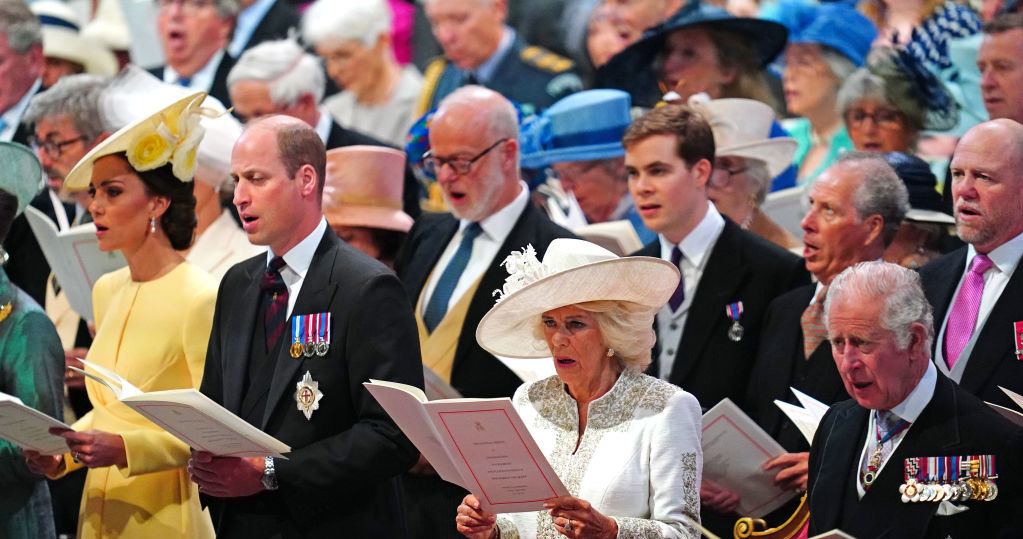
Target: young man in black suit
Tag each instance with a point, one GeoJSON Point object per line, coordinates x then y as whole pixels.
{"type": "Point", "coordinates": [451, 263]}
{"type": "Point", "coordinates": [977, 291]}
{"type": "Point", "coordinates": [707, 335]}
{"type": "Point", "coordinates": [903, 410]}
{"type": "Point", "coordinates": [703, 347]}
{"type": "Point", "coordinates": [340, 476]}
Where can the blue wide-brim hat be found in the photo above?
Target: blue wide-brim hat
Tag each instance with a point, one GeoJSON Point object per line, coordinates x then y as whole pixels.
{"type": "Point", "coordinates": [839, 26]}
{"type": "Point", "coordinates": [633, 70]}
{"type": "Point", "coordinates": [584, 126]}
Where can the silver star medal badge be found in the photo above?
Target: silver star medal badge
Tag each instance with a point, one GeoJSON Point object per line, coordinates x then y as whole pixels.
{"type": "Point", "coordinates": [308, 395]}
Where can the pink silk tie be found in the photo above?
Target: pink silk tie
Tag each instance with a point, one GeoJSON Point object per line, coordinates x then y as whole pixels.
{"type": "Point", "coordinates": [962, 319]}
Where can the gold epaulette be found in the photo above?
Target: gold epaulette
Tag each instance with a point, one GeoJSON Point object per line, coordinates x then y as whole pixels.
{"type": "Point", "coordinates": [430, 79]}
{"type": "Point", "coordinates": [545, 59]}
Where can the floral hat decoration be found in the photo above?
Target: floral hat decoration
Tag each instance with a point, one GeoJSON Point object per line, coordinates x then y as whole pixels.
{"type": "Point", "coordinates": [572, 272]}
{"type": "Point", "coordinates": [170, 135]}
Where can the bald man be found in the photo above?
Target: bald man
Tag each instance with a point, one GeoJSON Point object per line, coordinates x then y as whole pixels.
{"type": "Point", "coordinates": [977, 291]}
{"type": "Point", "coordinates": [340, 477]}
{"type": "Point", "coordinates": [475, 154]}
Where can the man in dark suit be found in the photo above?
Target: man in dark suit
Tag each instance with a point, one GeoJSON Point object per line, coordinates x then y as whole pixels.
{"type": "Point", "coordinates": [480, 49]}
{"type": "Point", "coordinates": [22, 50]}
{"type": "Point", "coordinates": [451, 263]}
{"type": "Point", "coordinates": [977, 291]}
{"type": "Point", "coordinates": [193, 36]}
{"type": "Point", "coordinates": [708, 333]}
{"type": "Point", "coordinates": [262, 20]}
{"type": "Point", "coordinates": [279, 77]}
{"type": "Point", "coordinates": [669, 156]}
{"type": "Point", "coordinates": [21, 47]}
{"type": "Point", "coordinates": [903, 411]}
{"type": "Point", "coordinates": [856, 208]}
{"type": "Point", "coordinates": [340, 476]}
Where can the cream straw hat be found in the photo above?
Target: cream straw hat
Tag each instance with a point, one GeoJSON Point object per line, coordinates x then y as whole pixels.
{"type": "Point", "coordinates": [573, 271]}
{"type": "Point", "coordinates": [171, 135]}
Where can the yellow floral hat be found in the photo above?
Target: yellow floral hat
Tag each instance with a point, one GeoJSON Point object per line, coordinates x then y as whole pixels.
{"type": "Point", "coordinates": [171, 135]}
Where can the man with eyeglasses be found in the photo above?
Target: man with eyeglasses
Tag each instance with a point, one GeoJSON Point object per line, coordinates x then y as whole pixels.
{"type": "Point", "coordinates": [66, 126]}
{"type": "Point", "coordinates": [194, 35]}
{"type": "Point", "coordinates": [856, 207]}
{"type": "Point", "coordinates": [708, 333]}
{"type": "Point", "coordinates": [451, 263]}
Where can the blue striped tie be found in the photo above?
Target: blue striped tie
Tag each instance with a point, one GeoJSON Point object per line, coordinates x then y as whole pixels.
{"type": "Point", "coordinates": [438, 304]}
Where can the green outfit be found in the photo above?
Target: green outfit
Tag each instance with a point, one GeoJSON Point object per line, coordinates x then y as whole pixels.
{"type": "Point", "coordinates": [799, 129]}
{"type": "Point", "coordinates": [31, 368]}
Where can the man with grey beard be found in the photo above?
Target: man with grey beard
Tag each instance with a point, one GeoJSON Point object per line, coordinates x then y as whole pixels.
{"type": "Point", "coordinates": [977, 291]}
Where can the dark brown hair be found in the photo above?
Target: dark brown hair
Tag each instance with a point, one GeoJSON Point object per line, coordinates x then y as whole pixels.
{"type": "Point", "coordinates": [299, 144]}
{"type": "Point", "coordinates": [1004, 23]}
{"type": "Point", "coordinates": [179, 221]}
{"type": "Point", "coordinates": [695, 139]}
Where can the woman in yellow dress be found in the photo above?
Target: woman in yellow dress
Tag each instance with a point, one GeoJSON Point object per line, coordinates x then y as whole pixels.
{"type": "Point", "coordinates": [153, 320]}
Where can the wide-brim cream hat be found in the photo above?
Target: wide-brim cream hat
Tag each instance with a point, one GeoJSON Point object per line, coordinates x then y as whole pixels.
{"type": "Point", "coordinates": [135, 93]}
{"type": "Point", "coordinates": [171, 135]}
{"type": "Point", "coordinates": [742, 128]}
{"type": "Point", "coordinates": [364, 188]}
{"type": "Point", "coordinates": [572, 271]}
{"type": "Point", "coordinates": [62, 39]}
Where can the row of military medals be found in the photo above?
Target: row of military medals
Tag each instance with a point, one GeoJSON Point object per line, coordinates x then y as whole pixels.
{"type": "Point", "coordinates": [310, 335]}
{"type": "Point", "coordinates": [951, 479]}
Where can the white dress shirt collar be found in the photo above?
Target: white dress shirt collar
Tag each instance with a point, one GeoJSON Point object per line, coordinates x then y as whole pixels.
{"type": "Point", "coordinates": [12, 116]}
{"type": "Point", "coordinates": [299, 257]}
{"type": "Point", "coordinates": [485, 71]}
{"type": "Point", "coordinates": [201, 80]}
{"type": "Point", "coordinates": [498, 224]}
{"type": "Point", "coordinates": [913, 405]}
{"type": "Point", "coordinates": [246, 24]}
{"type": "Point", "coordinates": [297, 261]}
{"type": "Point", "coordinates": [1005, 256]}
{"type": "Point", "coordinates": [696, 246]}
{"type": "Point", "coordinates": [324, 124]}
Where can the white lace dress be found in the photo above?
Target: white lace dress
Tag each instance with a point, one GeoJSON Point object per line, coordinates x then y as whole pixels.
{"type": "Point", "coordinates": [639, 460]}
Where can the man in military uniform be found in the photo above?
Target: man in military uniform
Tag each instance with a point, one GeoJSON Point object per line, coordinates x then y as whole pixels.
{"type": "Point", "coordinates": [480, 49]}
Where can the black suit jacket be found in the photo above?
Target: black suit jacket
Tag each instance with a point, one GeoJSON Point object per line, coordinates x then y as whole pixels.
{"type": "Point", "coordinates": [475, 373]}
{"type": "Point", "coordinates": [781, 364]}
{"type": "Point", "coordinates": [742, 267]}
{"type": "Point", "coordinates": [218, 88]}
{"type": "Point", "coordinates": [276, 23]}
{"type": "Point", "coordinates": [340, 137]}
{"type": "Point", "coordinates": [340, 477]}
{"type": "Point", "coordinates": [992, 362]}
{"type": "Point", "coordinates": [953, 423]}
{"type": "Point", "coordinates": [27, 267]}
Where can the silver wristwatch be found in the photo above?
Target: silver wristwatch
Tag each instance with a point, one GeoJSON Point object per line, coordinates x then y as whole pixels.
{"type": "Point", "coordinates": [269, 478]}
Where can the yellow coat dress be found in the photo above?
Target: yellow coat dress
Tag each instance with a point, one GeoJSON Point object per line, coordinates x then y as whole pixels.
{"type": "Point", "coordinates": [154, 334]}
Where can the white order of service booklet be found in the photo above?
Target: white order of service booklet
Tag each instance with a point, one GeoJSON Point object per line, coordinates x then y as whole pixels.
{"type": "Point", "coordinates": [192, 418]}
{"type": "Point", "coordinates": [481, 445]}
{"type": "Point", "coordinates": [29, 428]}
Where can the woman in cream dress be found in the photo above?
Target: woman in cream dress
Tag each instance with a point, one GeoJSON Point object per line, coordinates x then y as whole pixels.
{"type": "Point", "coordinates": [152, 325]}
{"type": "Point", "coordinates": [626, 445]}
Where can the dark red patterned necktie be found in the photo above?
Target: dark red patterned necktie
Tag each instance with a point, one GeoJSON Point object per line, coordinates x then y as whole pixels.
{"type": "Point", "coordinates": [275, 293]}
